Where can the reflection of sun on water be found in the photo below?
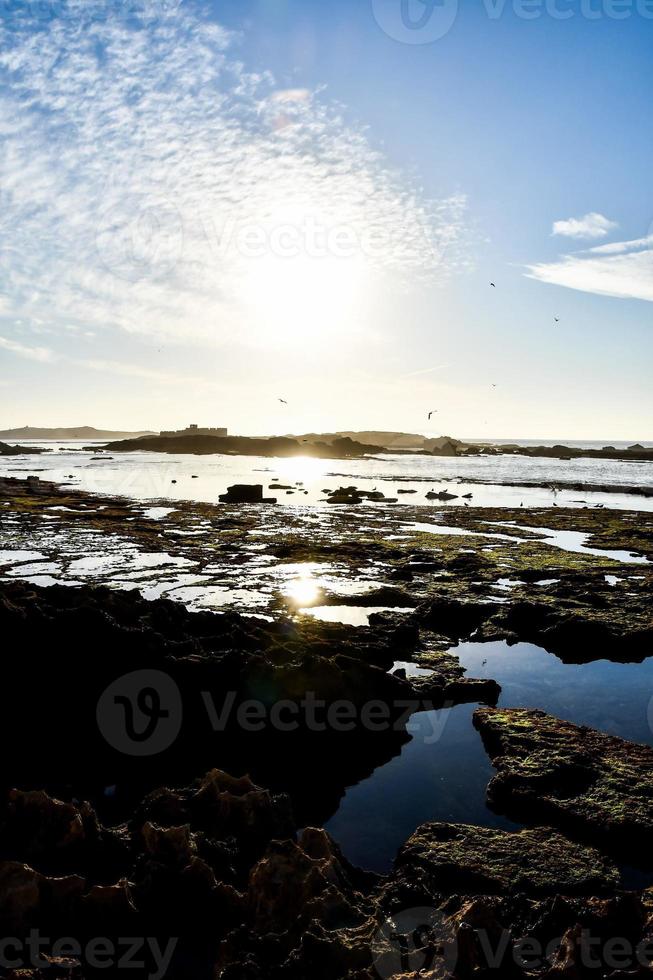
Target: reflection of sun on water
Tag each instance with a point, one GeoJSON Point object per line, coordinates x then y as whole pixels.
{"type": "Point", "coordinates": [304, 468]}
{"type": "Point", "coordinates": [302, 591]}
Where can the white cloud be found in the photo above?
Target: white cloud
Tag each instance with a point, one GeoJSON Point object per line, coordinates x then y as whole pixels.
{"type": "Point", "coordinates": [135, 155]}
{"type": "Point", "coordinates": [592, 225]}
{"type": "Point", "coordinates": [43, 354]}
{"type": "Point", "coordinates": [622, 269]}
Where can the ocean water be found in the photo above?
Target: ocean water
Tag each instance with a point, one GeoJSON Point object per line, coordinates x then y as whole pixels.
{"type": "Point", "coordinates": [443, 772]}
{"type": "Point", "coordinates": [150, 476]}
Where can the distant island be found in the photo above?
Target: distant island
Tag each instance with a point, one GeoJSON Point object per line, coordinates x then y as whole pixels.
{"type": "Point", "coordinates": [201, 445]}
{"type": "Point", "coordinates": [76, 432]}
{"type": "Point", "coordinates": [347, 445]}
{"type": "Point", "coordinates": [6, 450]}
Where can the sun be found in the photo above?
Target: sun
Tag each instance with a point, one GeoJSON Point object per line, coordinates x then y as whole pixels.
{"type": "Point", "coordinates": [304, 301]}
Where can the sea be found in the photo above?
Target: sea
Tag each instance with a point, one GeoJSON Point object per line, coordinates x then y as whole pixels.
{"type": "Point", "coordinates": [170, 477]}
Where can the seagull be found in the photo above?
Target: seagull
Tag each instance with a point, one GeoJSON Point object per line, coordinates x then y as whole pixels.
{"type": "Point", "coordinates": [434, 412]}
{"type": "Point", "coordinates": [493, 284]}
{"type": "Point", "coordinates": [283, 401]}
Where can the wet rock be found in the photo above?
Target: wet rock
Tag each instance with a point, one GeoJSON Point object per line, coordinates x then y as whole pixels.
{"type": "Point", "coordinates": [578, 634]}
{"type": "Point", "coordinates": [314, 905]}
{"type": "Point", "coordinates": [57, 836]}
{"type": "Point", "coordinates": [220, 806]}
{"type": "Point", "coordinates": [345, 495]}
{"type": "Point", "coordinates": [464, 859]}
{"type": "Point", "coordinates": [571, 776]}
{"type": "Point", "coordinates": [467, 690]}
{"type": "Point", "coordinates": [29, 899]}
{"type": "Point", "coordinates": [245, 493]}
{"type": "Point", "coordinates": [402, 573]}
{"type": "Point", "coordinates": [456, 619]}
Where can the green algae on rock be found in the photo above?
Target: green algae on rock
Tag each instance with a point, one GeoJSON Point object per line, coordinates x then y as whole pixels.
{"type": "Point", "coordinates": [464, 859]}
{"type": "Point", "coordinates": [595, 785]}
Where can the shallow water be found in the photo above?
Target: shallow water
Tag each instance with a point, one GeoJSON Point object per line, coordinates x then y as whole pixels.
{"type": "Point", "coordinates": [348, 615]}
{"type": "Point", "coordinates": [443, 772]}
{"type": "Point", "coordinates": [149, 476]}
{"type": "Point", "coordinates": [573, 541]}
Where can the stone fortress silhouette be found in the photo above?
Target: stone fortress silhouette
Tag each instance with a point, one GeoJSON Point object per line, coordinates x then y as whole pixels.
{"type": "Point", "coordinates": [194, 430]}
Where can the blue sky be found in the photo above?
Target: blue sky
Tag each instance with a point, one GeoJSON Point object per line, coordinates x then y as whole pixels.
{"type": "Point", "coordinates": [138, 147]}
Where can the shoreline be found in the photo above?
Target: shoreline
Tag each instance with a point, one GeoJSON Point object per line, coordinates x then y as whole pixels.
{"type": "Point", "coordinates": [201, 840]}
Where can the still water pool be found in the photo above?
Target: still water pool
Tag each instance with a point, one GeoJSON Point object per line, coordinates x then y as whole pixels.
{"type": "Point", "coordinates": [443, 772]}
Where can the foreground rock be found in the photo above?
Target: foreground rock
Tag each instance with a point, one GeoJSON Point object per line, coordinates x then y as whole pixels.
{"type": "Point", "coordinates": [464, 859]}
{"type": "Point", "coordinates": [574, 777]}
{"type": "Point", "coordinates": [239, 692]}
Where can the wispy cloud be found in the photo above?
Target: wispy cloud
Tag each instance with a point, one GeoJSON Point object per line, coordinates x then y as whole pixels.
{"type": "Point", "coordinates": [138, 157]}
{"type": "Point", "coordinates": [43, 354]}
{"type": "Point", "coordinates": [429, 370]}
{"type": "Point", "coordinates": [622, 269]}
{"type": "Point", "coordinates": [592, 225]}
{"type": "Point", "coordinates": [48, 356]}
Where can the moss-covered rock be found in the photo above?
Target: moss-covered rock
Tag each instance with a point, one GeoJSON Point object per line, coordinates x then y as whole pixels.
{"type": "Point", "coordinates": [574, 777]}
{"type": "Point", "coordinates": [464, 859]}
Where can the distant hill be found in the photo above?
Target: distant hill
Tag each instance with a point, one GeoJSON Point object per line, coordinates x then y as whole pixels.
{"type": "Point", "coordinates": [77, 432]}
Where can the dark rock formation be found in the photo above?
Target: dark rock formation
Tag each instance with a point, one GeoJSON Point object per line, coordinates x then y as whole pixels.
{"type": "Point", "coordinates": [573, 777]}
{"type": "Point", "coordinates": [462, 859]}
{"type": "Point", "coordinates": [6, 450]}
{"type": "Point", "coordinates": [242, 446]}
{"type": "Point", "coordinates": [246, 493]}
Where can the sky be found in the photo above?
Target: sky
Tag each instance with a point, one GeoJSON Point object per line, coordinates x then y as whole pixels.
{"type": "Point", "coordinates": [209, 207]}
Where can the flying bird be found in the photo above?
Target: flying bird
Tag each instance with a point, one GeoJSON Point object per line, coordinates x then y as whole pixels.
{"type": "Point", "coordinates": [494, 285]}
{"type": "Point", "coordinates": [434, 412]}
{"type": "Point", "coordinates": [557, 319]}
{"type": "Point", "coordinates": [283, 401]}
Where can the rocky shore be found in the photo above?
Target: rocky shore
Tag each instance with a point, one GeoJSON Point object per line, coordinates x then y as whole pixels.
{"type": "Point", "coordinates": [212, 844]}
{"type": "Point", "coordinates": [212, 866]}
